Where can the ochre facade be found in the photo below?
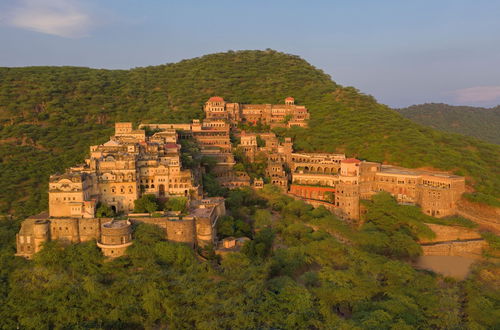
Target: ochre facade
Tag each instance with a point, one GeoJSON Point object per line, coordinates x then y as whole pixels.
{"type": "Point", "coordinates": [133, 163]}
{"type": "Point", "coordinates": [275, 115]}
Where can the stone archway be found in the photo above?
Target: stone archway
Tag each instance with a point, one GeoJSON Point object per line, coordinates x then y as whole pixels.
{"type": "Point", "coordinates": [161, 189]}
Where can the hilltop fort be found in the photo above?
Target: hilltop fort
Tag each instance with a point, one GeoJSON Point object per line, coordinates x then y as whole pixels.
{"type": "Point", "coordinates": [147, 161]}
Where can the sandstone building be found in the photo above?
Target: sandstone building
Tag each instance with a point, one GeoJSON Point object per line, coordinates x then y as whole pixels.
{"type": "Point", "coordinates": [133, 163]}
{"type": "Point", "coordinates": [275, 115]}
{"type": "Point", "coordinates": [436, 193]}
{"type": "Point", "coordinates": [117, 173]}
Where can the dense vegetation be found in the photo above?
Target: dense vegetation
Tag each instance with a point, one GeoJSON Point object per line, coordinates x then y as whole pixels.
{"type": "Point", "coordinates": [50, 115]}
{"type": "Point", "coordinates": [304, 269]}
{"type": "Point", "coordinates": [481, 123]}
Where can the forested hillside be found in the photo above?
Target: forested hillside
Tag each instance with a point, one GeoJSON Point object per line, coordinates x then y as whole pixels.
{"type": "Point", "coordinates": [303, 269]}
{"type": "Point", "coordinates": [50, 115]}
{"type": "Point", "coordinates": [481, 123]}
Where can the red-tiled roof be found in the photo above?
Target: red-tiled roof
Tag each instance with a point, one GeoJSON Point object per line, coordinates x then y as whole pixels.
{"type": "Point", "coordinates": [216, 99]}
{"type": "Point", "coordinates": [289, 98]}
{"type": "Point", "coordinates": [170, 145]}
{"type": "Point", "coordinates": [351, 161]}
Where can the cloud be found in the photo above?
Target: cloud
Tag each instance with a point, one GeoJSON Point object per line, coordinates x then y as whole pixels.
{"type": "Point", "coordinates": [477, 94]}
{"type": "Point", "coordinates": [64, 18]}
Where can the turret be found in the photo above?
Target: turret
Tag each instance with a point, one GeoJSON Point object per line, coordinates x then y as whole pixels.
{"type": "Point", "coordinates": [349, 167]}
{"type": "Point", "coordinates": [41, 233]}
{"type": "Point", "coordinates": [215, 108]}
{"type": "Point", "coordinates": [347, 194]}
{"type": "Point", "coordinates": [116, 236]}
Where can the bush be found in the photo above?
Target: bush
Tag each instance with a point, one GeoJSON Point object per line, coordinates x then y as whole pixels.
{"type": "Point", "coordinates": [147, 203]}
{"type": "Point", "coordinates": [104, 211]}
{"type": "Point", "coordinates": [177, 204]}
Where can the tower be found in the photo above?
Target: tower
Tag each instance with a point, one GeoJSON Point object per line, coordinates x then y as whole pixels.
{"type": "Point", "coordinates": [41, 234]}
{"type": "Point", "coordinates": [290, 101]}
{"type": "Point", "coordinates": [347, 192]}
{"type": "Point", "coordinates": [116, 237]}
{"type": "Point", "coordinates": [215, 108]}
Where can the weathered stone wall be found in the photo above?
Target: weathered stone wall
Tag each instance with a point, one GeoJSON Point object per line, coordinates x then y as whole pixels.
{"type": "Point", "coordinates": [450, 233]}
{"type": "Point", "coordinates": [453, 241]}
{"type": "Point", "coordinates": [89, 229]}
{"type": "Point", "coordinates": [315, 203]}
{"type": "Point", "coordinates": [65, 230]}
{"type": "Point", "coordinates": [471, 249]}
{"type": "Point", "coordinates": [182, 231]}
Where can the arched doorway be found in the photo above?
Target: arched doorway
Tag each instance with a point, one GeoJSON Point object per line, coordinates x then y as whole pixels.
{"type": "Point", "coordinates": [162, 190]}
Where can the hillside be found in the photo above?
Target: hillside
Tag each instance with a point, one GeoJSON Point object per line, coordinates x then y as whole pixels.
{"type": "Point", "coordinates": [50, 115]}
{"type": "Point", "coordinates": [481, 123]}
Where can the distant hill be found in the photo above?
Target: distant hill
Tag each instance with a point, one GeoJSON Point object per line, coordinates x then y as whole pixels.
{"type": "Point", "coordinates": [481, 123]}
{"type": "Point", "coordinates": [50, 115]}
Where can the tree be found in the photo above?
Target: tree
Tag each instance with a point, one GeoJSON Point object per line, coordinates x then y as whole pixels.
{"type": "Point", "coordinates": [260, 142]}
{"type": "Point", "coordinates": [104, 211]}
{"type": "Point", "coordinates": [262, 219]}
{"type": "Point", "coordinates": [177, 204]}
{"type": "Point", "coordinates": [260, 247]}
{"type": "Point", "coordinates": [147, 203]}
{"type": "Point", "coordinates": [392, 229]}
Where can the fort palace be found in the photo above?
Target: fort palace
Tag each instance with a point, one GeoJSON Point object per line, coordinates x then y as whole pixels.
{"type": "Point", "coordinates": [148, 161]}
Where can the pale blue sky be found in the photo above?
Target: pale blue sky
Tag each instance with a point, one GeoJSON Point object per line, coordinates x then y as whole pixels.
{"type": "Point", "coordinates": [401, 52]}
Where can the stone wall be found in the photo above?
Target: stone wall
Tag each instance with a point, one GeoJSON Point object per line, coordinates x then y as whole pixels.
{"type": "Point", "coordinates": [470, 249]}
{"type": "Point", "coordinates": [453, 241]}
{"type": "Point", "coordinates": [450, 233]}
{"type": "Point", "coordinates": [182, 231]}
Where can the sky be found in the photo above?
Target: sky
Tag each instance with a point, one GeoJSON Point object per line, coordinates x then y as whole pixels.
{"type": "Point", "coordinates": [402, 52]}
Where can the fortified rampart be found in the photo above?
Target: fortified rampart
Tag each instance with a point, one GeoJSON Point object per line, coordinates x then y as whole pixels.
{"type": "Point", "coordinates": [453, 241]}
{"type": "Point", "coordinates": [314, 202]}
{"type": "Point", "coordinates": [470, 249]}
{"type": "Point", "coordinates": [450, 233]}
{"type": "Point", "coordinates": [132, 164]}
{"type": "Point", "coordinates": [181, 230]}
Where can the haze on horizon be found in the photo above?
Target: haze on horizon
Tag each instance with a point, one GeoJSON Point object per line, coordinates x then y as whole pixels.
{"type": "Point", "coordinates": [400, 52]}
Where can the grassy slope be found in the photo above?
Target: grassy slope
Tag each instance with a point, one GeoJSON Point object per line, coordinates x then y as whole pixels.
{"type": "Point", "coordinates": [50, 115]}
{"type": "Point", "coordinates": [481, 123]}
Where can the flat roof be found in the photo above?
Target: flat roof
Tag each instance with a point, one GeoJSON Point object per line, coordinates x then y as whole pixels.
{"type": "Point", "coordinates": [389, 169]}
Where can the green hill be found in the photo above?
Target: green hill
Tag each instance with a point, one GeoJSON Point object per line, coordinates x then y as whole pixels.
{"type": "Point", "coordinates": [50, 115]}
{"type": "Point", "coordinates": [481, 123]}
